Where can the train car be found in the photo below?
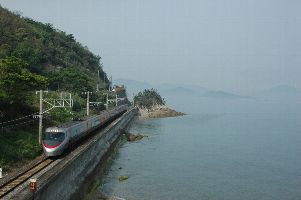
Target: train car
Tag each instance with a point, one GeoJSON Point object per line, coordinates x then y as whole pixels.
{"type": "Point", "coordinates": [57, 139]}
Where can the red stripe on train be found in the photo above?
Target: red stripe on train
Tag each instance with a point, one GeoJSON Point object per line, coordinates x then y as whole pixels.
{"type": "Point", "coordinates": [51, 146]}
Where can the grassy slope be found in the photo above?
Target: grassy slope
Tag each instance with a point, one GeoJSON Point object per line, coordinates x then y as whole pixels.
{"type": "Point", "coordinates": [17, 147]}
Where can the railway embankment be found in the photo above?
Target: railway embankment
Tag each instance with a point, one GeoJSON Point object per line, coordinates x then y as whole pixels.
{"type": "Point", "coordinates": [67, 177]}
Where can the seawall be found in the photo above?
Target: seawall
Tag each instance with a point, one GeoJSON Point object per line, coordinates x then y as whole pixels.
{"type": "Point", "coordinates": [67, 179]}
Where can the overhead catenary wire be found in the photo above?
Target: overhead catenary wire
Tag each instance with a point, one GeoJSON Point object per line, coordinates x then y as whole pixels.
{"type": "Point", "coordinates": [8, 124]}
{"type": "Point", "coordinates": [17, 119]}
{"type": "Point", "coordinates": [23, 117]}
{"type": "Point", "coordinates": [22, 123]}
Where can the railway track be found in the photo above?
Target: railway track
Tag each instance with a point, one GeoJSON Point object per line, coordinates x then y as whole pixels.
{"type": "Point", "coordinates": [13, 183]}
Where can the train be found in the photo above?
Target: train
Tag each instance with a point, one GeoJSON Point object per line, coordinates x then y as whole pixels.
{"type": "Point", "coordinates": [56, 140]}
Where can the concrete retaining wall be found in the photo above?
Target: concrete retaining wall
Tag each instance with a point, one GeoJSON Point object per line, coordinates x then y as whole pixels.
{"type": "Point", "coordinates": [68, 176]}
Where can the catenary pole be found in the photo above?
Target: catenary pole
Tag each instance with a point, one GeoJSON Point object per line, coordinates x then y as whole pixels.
{"type": "Point", "coordinates": [133, 100]}
{"type": "Point", "coordinates": [88, 101]}
{"type": "Point", "coordinates": [41, 115]}
{"type": "Point", "coordinates": [107, 103]}
{"type": "Point", "coordinates": [97, 85]}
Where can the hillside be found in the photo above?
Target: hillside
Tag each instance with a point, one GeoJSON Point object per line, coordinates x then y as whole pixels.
{"type": "Point", "coordinates": [36, 56]}
{"type": "Point", "coordinates": [44, 48]}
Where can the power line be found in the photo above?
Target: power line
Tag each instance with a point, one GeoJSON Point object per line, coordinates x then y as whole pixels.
{"type": "Point", "coordinates": [31, 115]}
{"type": "Point", "coordinates": [15, 125]}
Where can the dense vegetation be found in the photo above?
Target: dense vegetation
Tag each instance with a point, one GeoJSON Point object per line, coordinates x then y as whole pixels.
{"type": "Point", "coordinates": [18, 147]}
{"type": "Point", "coordinates": [36, 56]}
{"type": "Point", "coordinates": [148, 98]}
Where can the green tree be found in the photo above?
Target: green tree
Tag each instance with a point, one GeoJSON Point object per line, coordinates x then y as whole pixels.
{"type": "Point", "coordinates": [70, 79]}
{"type": "Point", "coordinates": [148, 98]}
{"type": "Point", "coordinates": [25, 51]}
{"type": "Point", "coordinates": [16, 80]}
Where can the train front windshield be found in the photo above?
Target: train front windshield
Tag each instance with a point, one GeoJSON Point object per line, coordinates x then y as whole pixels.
{"type": "Point", "coordinates": [53, 139]}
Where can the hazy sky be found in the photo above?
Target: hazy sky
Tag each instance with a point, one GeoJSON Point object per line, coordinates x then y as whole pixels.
{"type": "Point", "coordinates": [234, 45]}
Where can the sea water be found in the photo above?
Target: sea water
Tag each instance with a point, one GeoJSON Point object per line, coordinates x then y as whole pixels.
{"type": "Point", "coordinates": [223, 149]}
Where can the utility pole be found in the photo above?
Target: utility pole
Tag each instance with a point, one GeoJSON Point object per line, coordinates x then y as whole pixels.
{"type": "Point", "coordinates": [97, 85]}
{"type": "Point", "coordinates": [133, 100]}
{"type": "Point", "coordinates": [41, 115]}
{"type": "Point", "coordinates": [107, 103]}
{"type": "Point", "coordinates": [104, 85]}
{"type": "Point", "coordinates": [88, 103]}
{"type": "Point", "coordinates": [111, 83]}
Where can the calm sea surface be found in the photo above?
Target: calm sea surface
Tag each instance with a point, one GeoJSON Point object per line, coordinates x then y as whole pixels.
{"type": "Point", "coordinates": [234, 149]}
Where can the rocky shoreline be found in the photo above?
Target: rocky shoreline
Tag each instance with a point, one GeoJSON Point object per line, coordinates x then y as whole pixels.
{"type": "Point", "coordinates": [158, 112]}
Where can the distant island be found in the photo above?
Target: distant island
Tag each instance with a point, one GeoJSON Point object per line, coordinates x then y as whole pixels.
{"type": "Point", "coordinates": [172, 90]}
{"type": "Point", "coordinates": [222, 94]}
{"type": "Point", "coordinates": [152, 105]}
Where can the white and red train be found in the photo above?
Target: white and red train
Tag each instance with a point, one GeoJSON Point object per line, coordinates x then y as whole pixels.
{"type": "Point", "coordinates": [57, 139]}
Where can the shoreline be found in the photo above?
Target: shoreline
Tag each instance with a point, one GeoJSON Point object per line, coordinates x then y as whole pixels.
{"type": "Point", "coordinates": [158, 112]}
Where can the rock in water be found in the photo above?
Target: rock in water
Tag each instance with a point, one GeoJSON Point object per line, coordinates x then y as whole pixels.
{"type": "Point", "coordinates": [133, 138]}
{"type": "Point", "coordinates": [123, 178]}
